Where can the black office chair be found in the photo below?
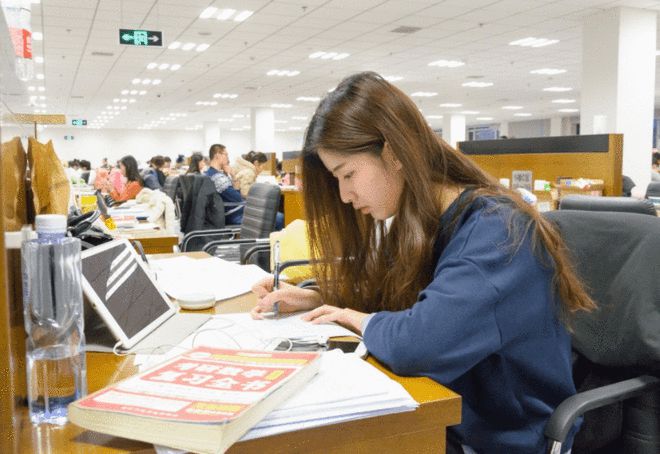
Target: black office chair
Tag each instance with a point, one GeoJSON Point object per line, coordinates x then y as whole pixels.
{"type": "Point", "coordinates": [617, 346]}
{"type": "Point", "coordinates": [622, 204]}
{"type": "Point", "coordinates": [259, 217]}
{"type": "Point", "coordinates": [653, 189]}
{"type": "Point", "coordinates": [171, 186]}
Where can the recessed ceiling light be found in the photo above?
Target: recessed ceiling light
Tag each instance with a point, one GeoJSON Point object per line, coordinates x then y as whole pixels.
{"type": "Point", "coordinates": [174, 45]}
{"type": "Point", "coordinates": [281, 106]}
{"type": "Point", "coordinates": [240, 17]}
{"type": "Point", "coordinates": [548, 71]}
{"type": "Point", "coordinates": [208, 12]}
{"type": "Point", "coordinates": [38, 59]}
{"type": "Point", "coordinates": [188, 46]}
{"type": "Point", "coordinates": [475, 84]}
{"type": "Point", "coordinates": [557, 89]}
{"type": "Point", "coordinates": [533, 42]}
{"type": "Point", "coordinates": [568, 110]}
{"type": "Point", "coordinates": [282, 72]}
{"type": "Point", "coordinates": [201, 47]}
{"type": "Point", "coordinates": [225, 95]}
{"type": "Point", "coordinates": [299, 117]}
{"type": "Point", "coordinates": [40, 76]}
{"type": "Point", "coordinates": [563, 101]}
{"type": "Point", "coordinates": [433, 117]}
{"type": "Point", "coordinates": [450, 104]}
{"type": "Point", "coordinates": [423, 94]}
{"type": "Point", "coordinates": [152, 65]}
{"type": "Point", "coordinates": [392, 78]}
{"type": "Point", "coordinates": [470, 112]}
{"type": "Point", "coordinates": [329, 55]}
{"type": "Point", "coordinates": [522, 114]}
{"type": "Point", "coordinates": [37, 36]}
{"type": "Point", "coordinates": [163, 66]}
{"type": "Point", "coordinates": [175, 67]}
{"type": "Point", "coordinates": [447, 63]}
{"type": "Point", "coordinates": [238, 116]}
{"type": "Point", "coordinates": [512, 107]}
{"type": "Point", "coordinates": [225, 14]}
{"type": "Point", "coordinates": [484, 118]}
{"type": "Point", "coordinates": [308, 98]}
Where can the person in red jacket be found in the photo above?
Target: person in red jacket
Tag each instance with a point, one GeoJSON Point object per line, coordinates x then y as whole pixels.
{"type": "Point", "coordinates": [134, 184]}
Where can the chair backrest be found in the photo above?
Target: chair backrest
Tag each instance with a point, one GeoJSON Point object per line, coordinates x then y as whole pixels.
{"type": "Point", "coordinates": [202, 207]}
{"type": "Point", "coordinates": [260, 210]}
{"type": "Point", "coordinates": [653, 189]}
{"type": "Point", "coordinates": [171, 185]}
{"type": "Point", "coordinates": [622, 204]}
{"type": "Point", "coordinates": [617, 257]}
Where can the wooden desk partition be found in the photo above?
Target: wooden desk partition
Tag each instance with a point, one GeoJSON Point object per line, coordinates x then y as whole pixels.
{"type": "Point", "coordinates": [591, 156]}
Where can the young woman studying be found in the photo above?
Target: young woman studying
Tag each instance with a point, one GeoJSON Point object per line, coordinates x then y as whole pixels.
{"type": "Point", "coordinates": [465, 283]}
{"type": "Point", "coordinates": [134, 184]}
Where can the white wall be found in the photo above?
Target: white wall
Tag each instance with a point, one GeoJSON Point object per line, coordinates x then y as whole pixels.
{"type": "Point", "coordinates": [95, 144]}
{"type": "Point", "coordinates": [529, 128]}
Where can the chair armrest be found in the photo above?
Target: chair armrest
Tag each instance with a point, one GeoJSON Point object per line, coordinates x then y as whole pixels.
{"type": "Point", "coordinates": [232, 231]}
{"type": "Point", "coordinates": [254, 250]}
{"type": "Point", "coordinates": [562, 419]}
{"type": "Point", "coordinates": [211, 244]}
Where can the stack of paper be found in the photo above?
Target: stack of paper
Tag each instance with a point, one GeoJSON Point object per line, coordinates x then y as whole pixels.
{"type": "Point", "coordinates": [345, 388]}
{"type": "Point", "coordinates": [179, 276]}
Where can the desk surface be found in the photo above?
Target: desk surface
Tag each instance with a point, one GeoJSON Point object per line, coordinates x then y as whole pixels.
{"type": "Point", "coordinates": [420, 431]}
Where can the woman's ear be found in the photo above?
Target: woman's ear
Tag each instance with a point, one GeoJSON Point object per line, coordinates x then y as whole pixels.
{"type": "Point", "coordinates": [390, 158]}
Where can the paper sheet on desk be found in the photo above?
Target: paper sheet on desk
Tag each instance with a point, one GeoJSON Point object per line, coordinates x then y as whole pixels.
{"type": "Point", "coordinates": [180, 276]}
{"type": "Point", "coordinates": [242, 331]}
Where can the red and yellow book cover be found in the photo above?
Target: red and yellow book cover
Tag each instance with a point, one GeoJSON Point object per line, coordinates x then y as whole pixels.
{"type": "Point", "coordinates": [204, 385]}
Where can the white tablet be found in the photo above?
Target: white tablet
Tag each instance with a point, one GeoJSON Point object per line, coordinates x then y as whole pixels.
{"type": "Point", "coordinates": [123, 292]}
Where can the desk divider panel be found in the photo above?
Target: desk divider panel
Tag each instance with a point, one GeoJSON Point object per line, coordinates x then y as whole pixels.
{"type": "Point", "coordinates": [597, 156]}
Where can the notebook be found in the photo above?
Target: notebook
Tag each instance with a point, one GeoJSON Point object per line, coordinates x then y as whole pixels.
{"type": "Point", "coordinates": [125, 306]}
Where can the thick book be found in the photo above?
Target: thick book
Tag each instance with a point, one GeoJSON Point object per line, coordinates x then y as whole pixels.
{"type": "Point", "coordinates": [201, 401]}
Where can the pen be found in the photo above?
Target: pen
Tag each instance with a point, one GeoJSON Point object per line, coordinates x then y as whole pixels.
{"type": "Point", "coordinates": [276, 280]}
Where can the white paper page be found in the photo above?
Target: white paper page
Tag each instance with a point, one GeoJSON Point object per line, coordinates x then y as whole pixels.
{"type": "Point", "coordinates": [243, 332]}
{"type": "Point", "coordinates": [213, 275]}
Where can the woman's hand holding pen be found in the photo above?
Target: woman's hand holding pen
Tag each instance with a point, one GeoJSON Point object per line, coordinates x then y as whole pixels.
{"type": "Point", "coordinates": [289, 297]}
{"type": "Point", "coordinates": [346, 317]}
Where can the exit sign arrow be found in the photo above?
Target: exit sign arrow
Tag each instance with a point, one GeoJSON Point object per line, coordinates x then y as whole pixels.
{"type": "Point", "coordinates": [131, 37]}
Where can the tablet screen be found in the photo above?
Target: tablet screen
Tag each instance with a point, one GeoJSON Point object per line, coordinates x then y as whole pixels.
{"type": "Point", "coordinates": [121, 284]}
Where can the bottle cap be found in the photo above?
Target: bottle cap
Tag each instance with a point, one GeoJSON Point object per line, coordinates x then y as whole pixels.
{"type": "Point", "coordinates": [50, 223]}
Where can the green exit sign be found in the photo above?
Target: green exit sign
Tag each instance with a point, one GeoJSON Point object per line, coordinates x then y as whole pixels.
{"type": "Point", "coordinates": [78, 122]}
{"type": "Point", "coordinates": [132, 37]}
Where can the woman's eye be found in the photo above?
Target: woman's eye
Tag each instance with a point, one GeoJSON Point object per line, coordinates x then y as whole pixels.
{"type": "Point", "coordinates": [348, 176]}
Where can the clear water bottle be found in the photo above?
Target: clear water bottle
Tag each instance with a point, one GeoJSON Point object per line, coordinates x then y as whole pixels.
{"type": "Point", "coordinates": [18, 15]}
{"type": "Point", "coordinates": [53, 309]}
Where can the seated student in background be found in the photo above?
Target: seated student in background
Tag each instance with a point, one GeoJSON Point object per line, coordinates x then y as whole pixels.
{"type": "Point", "coordinates": [655, 166]}
{"type": "Point", "coordinates": [246, 169]}
{"type": "Point", "coordinates": [134, 184]}
{"type": "Point", "coordinates": [153, 176]}
{"type": "Point", "coordinates": [219, 171]}
{"type": "Point", "coordinates": [468, 285]}
{"type": "Point", "coordinates": [196, 164]}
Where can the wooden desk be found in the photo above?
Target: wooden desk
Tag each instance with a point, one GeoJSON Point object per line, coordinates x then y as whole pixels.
{"type": "Point", "coordinates": [153, 242]}
{"type": "Point", "coordinates": [420, 431]}
{"type": "Point", "coordinates": [293, 205]}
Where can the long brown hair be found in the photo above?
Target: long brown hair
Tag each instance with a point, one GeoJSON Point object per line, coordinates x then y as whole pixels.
{"type": "Point", "coordinates": [361, 266]}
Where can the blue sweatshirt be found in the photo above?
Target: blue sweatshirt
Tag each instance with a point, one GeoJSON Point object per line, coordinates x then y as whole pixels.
{"type": "Point", "coordinates": [486, 327]}
{"type": "Point", "coordinates": [231, 197]}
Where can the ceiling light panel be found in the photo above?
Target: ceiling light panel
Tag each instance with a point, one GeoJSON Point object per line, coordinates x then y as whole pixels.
{"type": "Point", "coordinates": [225, 95]}
{"type": "Point", "coordinates": [548, 71]}
{"type": "Point", "coordinates": [563, 101]}
{"type": "Point", "coordinates": [450, 104]}
{"type": "Point", "coordinates": [512, 107]}
{"type": "Point", "coordinates": [475, 84]}
{"type": "Point", "coordinates": [447, 63]}
{"type": "Point", "coordinates": [423, 94]}
{"type": "Point", "coordinates": [558, 89]}
{"type": "Point", "coordinates": [533, 42]}
{"type": "Point", "coordinates": [320, 55]}
{"type": "Point", "coordinates": [308, 98]}
{"type": "Point", "coordinates": [568, 110]}
{"type": "Point", "coordinates": [282, 72]}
